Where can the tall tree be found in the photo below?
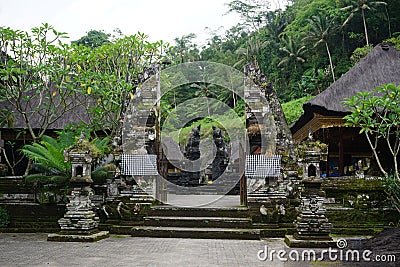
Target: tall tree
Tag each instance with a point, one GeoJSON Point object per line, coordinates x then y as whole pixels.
{"type": "Point", "coordinates": [254, 16]}
{"type": "Point", "coordinates": [185, 49]}
{"type": "Point", "coordinates": [294, 52]}
{"type": "Point", "coordinates": [108, 76]}
{"type": "Point", "coordinates": [36, 77]}
{"type": "Point", "coordinates": [93, 39]}
{"type": "Point", "coordinates": [250, 53]}
{"type": "Point", "coordinates": [319, 32]}
{"type": "Point", "coordinates": [252, 12]}
{"type": "Point", "coordinates": [356, 6]}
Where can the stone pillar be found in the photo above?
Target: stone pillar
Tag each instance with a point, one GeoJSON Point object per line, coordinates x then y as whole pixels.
{"type": "Point", "coordinates": [312, 222]}
{"type": "Point", "coordinates": [312, 226]}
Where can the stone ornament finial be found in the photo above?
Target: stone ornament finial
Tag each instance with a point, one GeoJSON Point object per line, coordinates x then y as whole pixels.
{"type": "Point", "coordinates": [310, 134]}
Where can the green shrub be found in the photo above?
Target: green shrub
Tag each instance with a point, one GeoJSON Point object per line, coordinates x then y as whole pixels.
{"type": "Point", "coordinates": [293, 109]}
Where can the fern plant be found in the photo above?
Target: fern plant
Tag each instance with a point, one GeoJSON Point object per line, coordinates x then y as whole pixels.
{"type": "Point", "coordinates": [48, 158]}
{"type": "Point", "coordinates": [48, 161]}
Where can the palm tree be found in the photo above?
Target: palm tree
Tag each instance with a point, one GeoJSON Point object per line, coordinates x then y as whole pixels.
{"type": "Point", "coordinates": [361, 5]}
{"type": "Point", "coordinates": [185, 48]}
{"type": "Point", "coordinates": [294, 52]}
{"type": "Point", "coordinates": [320, 29]}
{"type": "Point", "coordinates": [250, 53]}
{"type": "Point", "coordinates": [205, 90]}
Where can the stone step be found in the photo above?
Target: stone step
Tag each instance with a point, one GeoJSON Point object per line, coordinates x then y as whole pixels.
{"type": "Point", "coordinates": [203, 233]}
{"type": "Point", "coordinates": [170, 211]}
{"type": "Point", "coordinates": [210, 222]}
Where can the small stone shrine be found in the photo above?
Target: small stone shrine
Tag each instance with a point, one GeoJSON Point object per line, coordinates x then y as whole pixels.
{"type": "Point", "coordinates": [310, 153]}
{"type": "Point", "coordinates": [80, 222]}
{"type": "Point", "coordinates": [312, 226]}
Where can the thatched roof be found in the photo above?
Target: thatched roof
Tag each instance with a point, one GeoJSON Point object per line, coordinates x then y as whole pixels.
{"type": "Point", "coordinates": [380, 66]}
{"type": "Point", "coordinates": [75, 113]}
{"type": "Point", "coordinates": [171, 149]}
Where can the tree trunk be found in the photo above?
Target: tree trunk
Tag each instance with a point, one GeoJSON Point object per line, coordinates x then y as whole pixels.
{"type": "Point", "coordinates": [28, 167]}
{"type": "Point", "coordinates": [365, 25]}
{"type": "Point", "coordinates": [330, 61]}
{"type": "Point", "coordinates": [375, 154]}
{"type": "Point", "coordinates": [8, 162]}
{"type": "Point", "coordinates": [388, 17]}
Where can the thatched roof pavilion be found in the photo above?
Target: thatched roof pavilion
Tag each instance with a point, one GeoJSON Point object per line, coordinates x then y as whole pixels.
{"type": "Point", "coordinates": [324, 113]}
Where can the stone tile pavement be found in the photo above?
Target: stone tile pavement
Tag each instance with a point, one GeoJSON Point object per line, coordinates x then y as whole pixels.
{"type": "Point", "coordinates": [34, 250]}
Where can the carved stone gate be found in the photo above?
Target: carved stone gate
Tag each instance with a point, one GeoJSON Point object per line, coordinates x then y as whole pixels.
{"type": "Point", "coordinates": [263, 142]}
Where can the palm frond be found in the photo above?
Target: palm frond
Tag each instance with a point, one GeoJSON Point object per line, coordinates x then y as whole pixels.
{"type": "Point", "coordinates": [44, 169]}
{"type": "Point", "coordinates": [48, 154]}
{"type": "Point", "coordinates": [50, 140]}
{"type": "Point", "coordinates": [36, 152]}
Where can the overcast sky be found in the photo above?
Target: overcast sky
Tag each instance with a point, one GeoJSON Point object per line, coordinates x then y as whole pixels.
{"type": "Point", "coordinates": [160, 19]}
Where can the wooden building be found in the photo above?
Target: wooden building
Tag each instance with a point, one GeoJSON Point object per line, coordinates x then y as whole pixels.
{"type": "Point", "coordinates": [14, 133]}
{"type": "Point", "coordinates": [323, 115]}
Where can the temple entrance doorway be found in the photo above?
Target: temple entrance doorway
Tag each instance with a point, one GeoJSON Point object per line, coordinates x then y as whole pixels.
{"type": "Point", "coordinates": [208, 167]}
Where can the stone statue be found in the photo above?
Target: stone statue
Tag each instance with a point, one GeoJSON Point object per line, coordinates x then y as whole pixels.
{"type": "Point", "coordinates": [192, 153]}
{"type": "Point", "coordinates": [220, 160]}
{"type": "Point", "coordinates": [82, 137]}
{"type": "Point", "coordinates": [310, 134]}
{"type": "Point", "coordinates": [192, 149]}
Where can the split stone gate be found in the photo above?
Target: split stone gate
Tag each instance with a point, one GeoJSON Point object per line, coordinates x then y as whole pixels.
{"type": "Point", "coordinates": [260, 150]}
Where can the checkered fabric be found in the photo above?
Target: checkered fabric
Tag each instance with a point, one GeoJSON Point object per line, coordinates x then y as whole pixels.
{"type": "Point", "coordinates": [259, 166]}
{"type": "Point", "coordinates": [139, 164]}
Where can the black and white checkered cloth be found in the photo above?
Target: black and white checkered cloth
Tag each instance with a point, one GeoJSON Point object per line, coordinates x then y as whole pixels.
{"type": "Point", "coordinates": [139, 164]}
{"type": "Point", "coordinates": [259, 166]}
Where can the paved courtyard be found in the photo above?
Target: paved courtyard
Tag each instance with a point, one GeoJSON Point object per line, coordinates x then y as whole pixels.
{"type": "Point", "coordinates": [34, 250]}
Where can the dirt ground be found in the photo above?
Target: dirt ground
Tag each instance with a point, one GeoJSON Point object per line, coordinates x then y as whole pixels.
{"type": "Point", "coordinates": [384, 246]}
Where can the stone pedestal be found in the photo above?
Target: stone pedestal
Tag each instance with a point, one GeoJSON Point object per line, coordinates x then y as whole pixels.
{"type": "Point", "coordinates": [79, 215]}
{"type": "Point", "coordinates": [80, 222]}
{"type": "Point", "coordinates": [312, 226]}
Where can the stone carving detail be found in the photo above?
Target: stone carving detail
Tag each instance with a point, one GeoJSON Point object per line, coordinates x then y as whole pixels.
{"type": "Point", "coordinates": [192, 153]}
{"type": "Point", "coordinates": [312, 222]}
{"type": "Point", "coordinates": [221, 158]}
{"type": "Point", "coordinates": [80, 214]}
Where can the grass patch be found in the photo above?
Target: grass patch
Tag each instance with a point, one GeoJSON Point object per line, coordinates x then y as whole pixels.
{"type": "Point", "coordinates": [293, 109]}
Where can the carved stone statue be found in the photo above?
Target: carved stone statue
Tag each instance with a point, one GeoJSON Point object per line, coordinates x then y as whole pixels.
{"type": "Point", "coordinates": [192, 149]}
{"type": "Point", "coordinates": [220, 160]}
{"type": "Point", "coordinates": [192, 153]}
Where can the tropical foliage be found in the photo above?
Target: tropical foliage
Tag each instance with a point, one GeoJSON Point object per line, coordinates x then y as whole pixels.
{"type": "Point", "coordinates": [377, 113]}
{"type": "Point", "coordinates": [49, 165]}
{"type": "Point", "coordinates": [293, 109]}
{"type": "Point", "coordinates": [48, 160]}
{"type": "Point", "coordinates": [302, 48]}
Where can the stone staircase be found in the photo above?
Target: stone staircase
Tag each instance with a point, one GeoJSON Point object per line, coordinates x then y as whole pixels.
{"type": "Point", "coordinates": [179, 222]}
{"type": "Point", "coordinates": [215, 188]}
